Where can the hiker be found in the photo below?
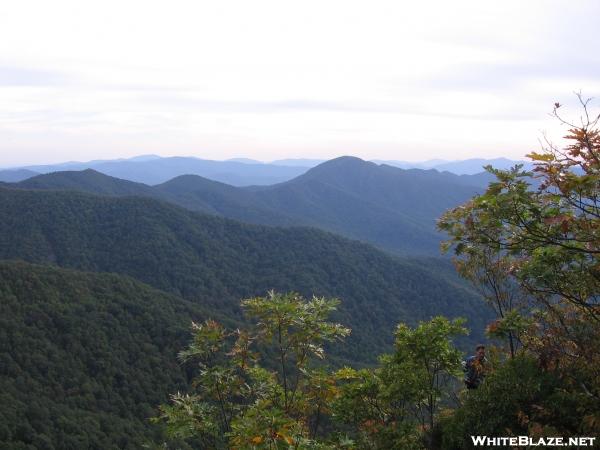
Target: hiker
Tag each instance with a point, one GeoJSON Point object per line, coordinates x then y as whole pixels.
{"type": "Point", "coordinates": [474, 368]}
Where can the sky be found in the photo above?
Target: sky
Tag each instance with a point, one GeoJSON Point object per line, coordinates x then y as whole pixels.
{"type": "Point", "coordinates": [280, 79]}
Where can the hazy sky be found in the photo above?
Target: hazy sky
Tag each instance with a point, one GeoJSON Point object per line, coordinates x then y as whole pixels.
{"type": "Point", "coordinates": [83, 80]}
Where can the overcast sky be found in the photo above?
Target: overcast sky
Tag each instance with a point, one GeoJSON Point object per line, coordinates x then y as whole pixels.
{"type": "Point", "coordinates": [83, 80]}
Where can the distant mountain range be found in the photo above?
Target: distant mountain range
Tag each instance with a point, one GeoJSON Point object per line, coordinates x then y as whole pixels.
{"type": "Point", "coordinates": [152, 169]}
{"type": "Point", "coordinates": [460, 167]}
{"type": "Point", "coordinates": [392, 208]}
{"type": "Point", "coordinates": [15, 175]}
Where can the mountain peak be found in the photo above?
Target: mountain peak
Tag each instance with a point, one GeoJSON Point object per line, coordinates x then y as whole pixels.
{"type": "Point", "coordinates": [342, 163]}
{"type": "Point", "coordinates": [84, 171]}
{"type": "Point", "coordinates": [346, 159]}
{"type": "Point", "coordinates": [88, 180]}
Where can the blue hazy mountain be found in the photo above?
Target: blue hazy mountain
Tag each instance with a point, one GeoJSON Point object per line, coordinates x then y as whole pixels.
{"type": "Point", "coordinates": [15, 175]}
{"type": "Point", "coordinates": [475, 165]}
{"type": "Point", "coordinates": [244, 160]}
{"type": "Point", "coordinates": [152, 169]}
{"type": "Point", "coordinates": [429, 164]}
{"type": "Point", "coordinates": [392, 208]}
{"type": "Point", "coordinates": [459, 167]}
{"type": "Point", "coordinates": [298, 162]}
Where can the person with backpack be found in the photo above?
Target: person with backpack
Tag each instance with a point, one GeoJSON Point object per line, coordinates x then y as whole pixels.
{"type": "Point", "coordinates": [474, 368]}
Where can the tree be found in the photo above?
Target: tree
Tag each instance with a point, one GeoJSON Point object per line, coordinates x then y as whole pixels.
{"type": "Point", "coordinates": [428, 354]}
{"type": "Point", "coordinates": [488, 268]}
{"type": "Point", "coordinates": [396, 404]}
{"type": "Point", "coordinates": [550, 235]}
{"type": "Point", "coordinates": [544, 240]}
{"type": "Point", "coordinates": [517, 399]}
{"type": "Point", "coordinates": [238, 403]}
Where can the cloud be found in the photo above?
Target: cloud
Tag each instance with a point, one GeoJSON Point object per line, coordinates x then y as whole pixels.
{"type": "Point", "coordinates": [514, 77]}
{"type": "Point", "coordinates": [315, 78]}
{"type": "Point", "coordinates": [21, 76]}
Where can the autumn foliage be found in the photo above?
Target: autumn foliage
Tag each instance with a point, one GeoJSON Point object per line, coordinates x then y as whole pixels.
{"type": "Point", "coordinates": [532, 242]}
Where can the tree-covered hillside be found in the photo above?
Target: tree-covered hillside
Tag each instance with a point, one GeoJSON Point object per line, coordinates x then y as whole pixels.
{"type": "Point", "coordinates": [87, 181]}
{"type": "Point", "coordinates": [216, 262]}
{"type": "Point", "coordinates": [85, 358]}
{"type": "Point", "coordinates": [189, 191]}
{"type": "Point", "coordinates": [201, 194]}
{"type": "Point", "coordinates": [392, 208]}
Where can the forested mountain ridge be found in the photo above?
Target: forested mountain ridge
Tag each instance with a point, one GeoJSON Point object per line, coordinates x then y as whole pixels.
{"type": "Point", "coordinates": [394, 209]}
{"type": "Point", "coordinates": [201, 194]}
{"type": "Point", "coordinates": [85, 357]}
{"type": "Point", "coordinates": [189, 191]}
{"type": "Point", "coordinates": [415, 192]}
{"type": "Point", "coordinates": [216, 262]}
{"type": "Point", "coordinates": [87, 180]}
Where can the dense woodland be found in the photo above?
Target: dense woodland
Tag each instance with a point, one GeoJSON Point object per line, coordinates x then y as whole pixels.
{"type": "Point", "coordinates": [290, 337]}
{"type": "Point", "coordinates": [217, 262]}
{"type": "Point", "coordinates": [207, 265]}
{"type": "Point", "coordinates": [85, 357]}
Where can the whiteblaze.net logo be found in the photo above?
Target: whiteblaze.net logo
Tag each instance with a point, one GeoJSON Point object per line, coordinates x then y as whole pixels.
{"type": "Point", "coordinates": [526, 441]}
